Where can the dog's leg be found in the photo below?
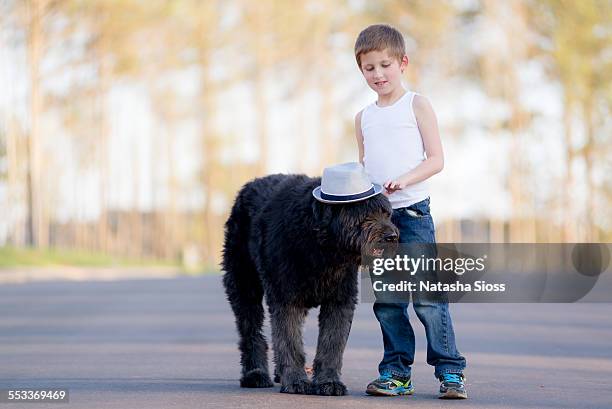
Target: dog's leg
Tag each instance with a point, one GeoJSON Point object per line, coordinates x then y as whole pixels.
{"type": "Point", "coordinates": [334, 327]}
{"type": "Point", "coordinates": [287, 322]}
{"type": "Point", "coordinates": [254, 349]}
{"type": "Point", "coordinates": [246, 299]}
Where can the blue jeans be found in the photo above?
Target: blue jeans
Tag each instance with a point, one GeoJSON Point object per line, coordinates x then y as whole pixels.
{"type": "Point", "coordinates": [416, 226]}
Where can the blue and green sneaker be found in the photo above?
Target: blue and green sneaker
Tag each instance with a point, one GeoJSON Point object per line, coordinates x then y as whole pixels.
{"type": "Point", "coordinates": [452, 386]}
{"type": "Point", "coordinates": [386, 385]}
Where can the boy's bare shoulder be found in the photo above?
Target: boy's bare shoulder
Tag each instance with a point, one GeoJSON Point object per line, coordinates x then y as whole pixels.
{"type": "Point", "coordinates": [420, 102]}
{"type": "Point", "coordinates": [422, 107]}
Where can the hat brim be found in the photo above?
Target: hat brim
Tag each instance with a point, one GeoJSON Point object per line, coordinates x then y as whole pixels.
{"type": "Point", "coordinates": [317, 195]}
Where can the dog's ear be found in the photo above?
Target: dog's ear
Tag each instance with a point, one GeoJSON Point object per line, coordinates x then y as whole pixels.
{"type": "Point", "coordinates": [322, 215]}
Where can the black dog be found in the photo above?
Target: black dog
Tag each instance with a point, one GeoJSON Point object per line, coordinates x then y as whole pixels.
{"type": "Point", "coordinates": [300, 253]}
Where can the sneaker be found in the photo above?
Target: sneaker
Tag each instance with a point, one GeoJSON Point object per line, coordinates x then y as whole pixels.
{"type": "Point", "coordinates": [452, 386]}
{"type": "Point", "coordinates": [386, 385]}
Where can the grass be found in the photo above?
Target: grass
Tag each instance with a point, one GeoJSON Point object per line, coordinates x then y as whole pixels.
{"type": "Point", "coordinates": [27, 257]}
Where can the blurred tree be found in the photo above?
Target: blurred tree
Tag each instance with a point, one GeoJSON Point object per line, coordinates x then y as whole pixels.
{"type": "Point", "coordinates": [13, 154]}
{"type": "Point", "coordinates": [38, 221]}
{"type": "Point", "coordinates": [504, 53]}
{"type": "Point", "coordinates": [274, 53]}
{"type": "Point", "coordinates": [109, 50]}
{"type": "Point", "coordinates": [576, 41]}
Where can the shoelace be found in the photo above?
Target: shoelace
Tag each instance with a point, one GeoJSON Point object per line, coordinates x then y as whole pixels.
{"type": "Point", "coordinates": [452, 377]}
{"type": "Point", "coordinates": [388, 379]}
{"type": "Point", "coordinates": [385, 378]}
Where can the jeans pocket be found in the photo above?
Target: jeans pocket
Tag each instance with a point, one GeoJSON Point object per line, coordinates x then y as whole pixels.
{"type": "Point", "coordinates": [419, 209]}
{"type": "Point", "coordinates": [412, 212]}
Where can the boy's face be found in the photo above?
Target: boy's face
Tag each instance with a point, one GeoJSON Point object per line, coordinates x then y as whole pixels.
{"type": "Point", "coordinates": [382, 71]}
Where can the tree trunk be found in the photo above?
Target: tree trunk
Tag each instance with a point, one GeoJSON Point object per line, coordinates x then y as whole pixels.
{"type": "Point", "coordinates": [261, 104]}
{"type": "Point", "coordinates": [104, 80]}
{"type": "Point", "coordinates": [589, 149]}
{"type": "Point", "coordinates": [207, 94]}
{"type": "Point", "coordinates": [568, 215]}
{"type": "Point", "coordinates": [14, 157]}
{"type": "Point", "coordinates": [37, 224]}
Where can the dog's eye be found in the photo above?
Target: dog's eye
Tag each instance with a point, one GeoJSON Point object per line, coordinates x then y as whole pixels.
{"type": "Point", "coordinates": [367, 221]}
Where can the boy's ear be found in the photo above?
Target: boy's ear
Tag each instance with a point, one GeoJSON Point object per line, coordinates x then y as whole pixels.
{"type": "Point", "coordinates": [404, 63]}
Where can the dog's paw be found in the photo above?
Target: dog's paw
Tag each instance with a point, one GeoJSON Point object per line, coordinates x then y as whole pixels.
{"type": "Point", "coordinates": [299, 386]}
{"type": "Point", "coordinates": [332, 388]}
{"type": "Point", "coordinates": [256, 378]}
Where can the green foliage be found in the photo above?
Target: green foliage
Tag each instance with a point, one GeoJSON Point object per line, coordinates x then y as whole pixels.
{"type": "Point", "coordinates": [578, 39]}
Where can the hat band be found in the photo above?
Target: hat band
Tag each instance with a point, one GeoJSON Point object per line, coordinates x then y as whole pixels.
{"type": "Point", "coordinates": [344, 198]}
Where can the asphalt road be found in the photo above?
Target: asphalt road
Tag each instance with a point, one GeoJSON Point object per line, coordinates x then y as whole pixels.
{"type": "Point", "coordinates": [171, 343]}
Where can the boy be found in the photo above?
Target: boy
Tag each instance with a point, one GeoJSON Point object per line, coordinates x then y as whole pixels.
{"type": "Point", "coordinates": [400, 147]}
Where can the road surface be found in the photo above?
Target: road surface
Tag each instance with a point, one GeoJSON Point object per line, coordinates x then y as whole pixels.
{"type": "Point", "coordinates": [171, 343]}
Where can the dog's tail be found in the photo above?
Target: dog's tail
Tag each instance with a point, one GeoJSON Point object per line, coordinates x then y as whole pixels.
{"type": "Point", "coordinates": [245, 294]}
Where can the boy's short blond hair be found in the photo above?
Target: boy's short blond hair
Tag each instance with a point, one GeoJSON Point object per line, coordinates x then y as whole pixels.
{"type": "Point", "coordinates": [378, 37]}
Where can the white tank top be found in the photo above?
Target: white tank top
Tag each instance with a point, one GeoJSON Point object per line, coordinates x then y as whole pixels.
{"type": "Point", "coordinates": [392, 146]}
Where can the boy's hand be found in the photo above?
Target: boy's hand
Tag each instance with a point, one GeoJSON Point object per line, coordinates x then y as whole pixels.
{"type": "Point", "coordinates": [393, 186]}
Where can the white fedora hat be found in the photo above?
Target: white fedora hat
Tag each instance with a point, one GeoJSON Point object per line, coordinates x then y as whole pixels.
{"type": "Point", "coordinates": [345, 183]}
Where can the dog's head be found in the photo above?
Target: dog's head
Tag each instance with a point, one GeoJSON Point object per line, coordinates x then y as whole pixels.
{"type": "Point", "coordinates": [355, 227]}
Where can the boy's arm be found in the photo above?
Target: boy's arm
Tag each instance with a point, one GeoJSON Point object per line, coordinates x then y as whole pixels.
{"type": "Point", "coordinates": [359, 136]}
{"type": "Point", "coordinates": [434, 163]}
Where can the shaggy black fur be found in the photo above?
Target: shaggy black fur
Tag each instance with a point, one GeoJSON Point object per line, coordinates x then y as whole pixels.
{"type": "Point", "coordinates": [282, 243]}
